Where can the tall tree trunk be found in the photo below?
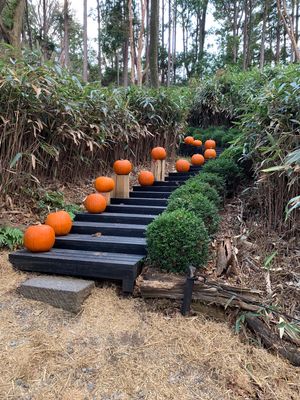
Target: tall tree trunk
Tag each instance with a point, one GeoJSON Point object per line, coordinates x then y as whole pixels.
{"type": "Point", "coordinates": [174, 42]}
{"type": "Point", "coordinates": [141, 43]}
{"type": "Point", "coordinates": [147, 42]}
{"type": "Point", "coordinates": [169, 43]}
{"type": "Point", "coordinates": [154, 32]}
{"type": "Point", "coordinates": [297, 22]}
{"type": "Point", "coordinates": [263, 35]}
{"type": "Point", "coordinates": [235, 33]}
{"type": "Point", "coordinates": [44, 21]}
{"type": "Point", "coordinates": [28, 25]}
{"type": "Point", "coordinates": [202, 31]}
{"type": "Point", "coordinates": [246, 35]}
{"type": "Point", "coordinates": [66, 35]}
{"type": "Point", "coordinates": [85, 53]}
{"type": "Point", "coordinates": [125, 44]}
{"type": "Point", "coordinates": [131, 41]}
{"type": "Point", "coordinates": [99, 57]}
{"type": "Point", "coordinates": [278, 29]}
{"type": "Point", "coordinates": [162, 61]}
{"type": "Point", "coordinates": [10, 31]}
{"type": "Point", "coordinates": [288, 24]}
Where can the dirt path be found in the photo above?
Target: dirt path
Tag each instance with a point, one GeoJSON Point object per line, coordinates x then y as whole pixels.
{"type": "Point", "coordinates": [125, 349]}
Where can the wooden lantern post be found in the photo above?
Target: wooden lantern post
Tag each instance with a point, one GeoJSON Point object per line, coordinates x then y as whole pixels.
{"type": "Point", "coordinates": [107, 196]}
{"type": "Point", "coordinates": [158, 167]}
{"type": "Point", "coordinates": [121, 189]}
{"type": "Point", "coordinates": [122, 169]}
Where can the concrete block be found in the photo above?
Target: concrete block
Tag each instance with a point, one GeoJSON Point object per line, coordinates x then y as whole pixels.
{"type": "Point", "coordinates": [61, 292]}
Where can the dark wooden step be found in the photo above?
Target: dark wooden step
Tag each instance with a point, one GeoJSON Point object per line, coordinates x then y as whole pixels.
{"type": "Point", "coordinates": [119, 218]}
{"type": "Point", "coordinates": [160, 195]}
{"type": "Point", "coordinates": [86, 264]}
{"type": "Point", "coordinates": [165, 183]}
{"type": "Point", "coordinates": [112, 244]}
{"type": "Point", "coordinates": [141, 201]}
{"type": "Point", "coordinates": [135, 209]}
{"type": "Point", "coordinates": [180, 179]}
{"type": "Point", "coordinates": [109, 229]}
{"type": "Point", "coordinates": [166, 188]}
{"type": "Point", "coordinates": [184, 174]}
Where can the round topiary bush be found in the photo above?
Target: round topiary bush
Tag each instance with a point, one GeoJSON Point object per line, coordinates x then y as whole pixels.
{"type": "Point", "coordinates": [227, 168]}
{"type": "Point", "coordinates": [195, 186]}
{"type": "Point", "coordinates": [214, 180]}
{"type": "Point", "coordinates": [203, 208]}
{"type": "Point", "coordinates": [177, 240]}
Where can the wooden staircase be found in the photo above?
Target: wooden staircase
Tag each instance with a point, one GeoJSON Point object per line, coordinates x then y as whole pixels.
{"type": "Point", "coordinates": [110, 245]}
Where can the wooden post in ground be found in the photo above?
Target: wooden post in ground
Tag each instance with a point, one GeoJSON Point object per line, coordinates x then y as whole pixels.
{"type": "Point", "coordinates": [159, 169]}
{"type": "Point", "coordinates": [121, 189]}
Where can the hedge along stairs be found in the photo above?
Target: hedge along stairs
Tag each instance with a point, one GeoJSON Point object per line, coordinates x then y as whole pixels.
{"type": "Point", "coordinates": [110, 245]}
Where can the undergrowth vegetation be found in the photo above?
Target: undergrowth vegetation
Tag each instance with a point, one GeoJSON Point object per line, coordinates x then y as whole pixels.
{"type": "Point", "coordinates": [53, 126]}
{"type": "Point", "coordinates": [264, 107]}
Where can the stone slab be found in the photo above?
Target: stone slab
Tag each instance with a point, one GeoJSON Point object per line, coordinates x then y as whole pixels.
{"type": "Point", "coordinates": [61, 292]}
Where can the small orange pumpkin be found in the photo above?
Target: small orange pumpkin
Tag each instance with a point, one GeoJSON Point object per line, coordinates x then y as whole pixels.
{"type": "Point", "coordinates": [182, 165]}
{"type": "Point", "coordinates": [210, 144]}
{"type": "Point", "coordinates": [146, 178]}
{"type": "Point", "coordinates": [189, 140]}
{"type": "Point", "coordinates": [95, 203]}
{"type": "Point", "coordinates": [104, 184]}
{"type": "Point", "coordinates": [210, 153]}
{"type": "Point", "coordinates": [60, 221]}
{"type": "Point", "coordinates": [38, 238]}
{"type": "Point", "coordinates": [197, 159]}
{"type": "Point", "coordinates": [122, 167]}
{"type": "Point", "coordinates": [197, 143]}
{"type": "Point", "coordinates": [158, 153]}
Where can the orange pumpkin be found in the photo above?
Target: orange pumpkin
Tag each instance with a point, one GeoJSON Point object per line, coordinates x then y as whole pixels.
{"type": "Point", "coordinates": [95, 203]}
{"type": "Point", "coordinates": [146, 178]}
{"type": "Point", "coordinates": [122, 167]}
{"type": "Point", "coordinates": [197, 159]}
{"type": "Point", "coordinates": [39, 238]}
{"type": "Point", "coordinates": [197, 143]}
{"type": "Point", "coordinates": [210, 153]}
{"type": "Point", "coordinates": [210, 144]}
{"type": "Point", "coordinates": [158, 153]}
{"type": "Point", "coordinates": [60, 221]}
{"type": "Point", "coordinates": [182, 165]}
{"type": "Point", "coordinates": [104, 184]}
{"type": "Point", "coordinates": [189, 140]}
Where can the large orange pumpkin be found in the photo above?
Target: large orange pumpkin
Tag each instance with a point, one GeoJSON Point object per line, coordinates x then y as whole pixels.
{"type": "Point", "coordinates": [60, 221]}
{"type": "Point", "coordinates": [39, 238]}
{"type": "Point", "coordinates": [146, 178]}
{"type": "Point", "coordinates": [182, 165]}
{"type": "Point", "coordinates": [210, 144]}
{"type": "Point", "coordinates": [95, 203]}
{"type": "Point", "coordinates": [189, 140]}
{"type": "Point", "coordinates": [197, 143]}
{"type": "Point", "coordinates": [158, 153]}
{"type": "Point", "coordinates": [197, 159]}
{"type": "Point", "coordinates": [210, 153]}
{"type": "Point", "coordinates": [122, 167]}
{"type": "Point", "coordinates": [104, 184]}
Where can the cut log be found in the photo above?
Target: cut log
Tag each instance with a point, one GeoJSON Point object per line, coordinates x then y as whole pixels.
{"type": "Point", "coordinates": [158, 285]}
{"type": "Point", "coordinates": [272, 342]}
{"type": "Point", "coordinates": [226, 258]}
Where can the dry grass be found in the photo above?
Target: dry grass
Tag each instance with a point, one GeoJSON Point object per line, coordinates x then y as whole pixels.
{"type": "Point", "coordinates": [123, 348]}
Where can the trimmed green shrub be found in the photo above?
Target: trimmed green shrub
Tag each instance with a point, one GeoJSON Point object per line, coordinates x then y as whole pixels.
{"type": "Point", "coordinates": [227, 168]}
{"type": "Point", "coordinates": [177, 240]}
{"type": "Point", "coordinates": [215, 180]}
{"type": "Point", "coordinates": [10, 238]}
{"type": "Point", "coordinates": [203, 208]}
{"type": "Point", "coordinates": [195, 186]}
